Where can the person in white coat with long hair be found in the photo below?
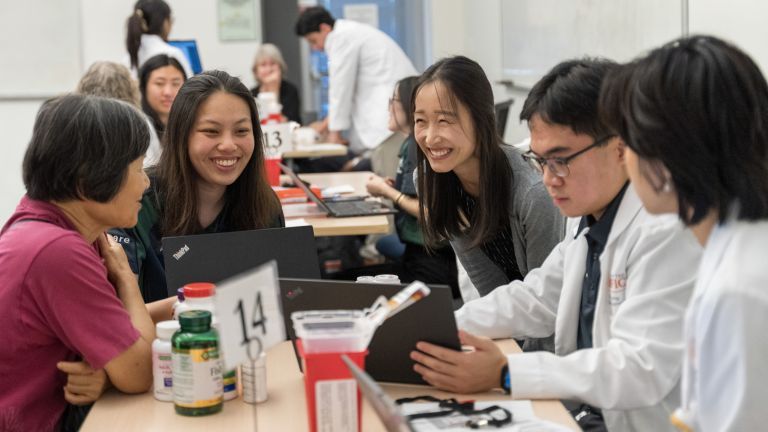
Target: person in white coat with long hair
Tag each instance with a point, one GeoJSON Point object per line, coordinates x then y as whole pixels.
{"type": "Point", "coordinates": [607, 291]}
{"type": "Point", "coordinates": [694, 114]}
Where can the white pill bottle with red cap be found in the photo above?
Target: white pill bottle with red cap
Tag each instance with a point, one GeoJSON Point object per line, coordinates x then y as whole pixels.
{"type": "Point", "coordinates": [197, 296]}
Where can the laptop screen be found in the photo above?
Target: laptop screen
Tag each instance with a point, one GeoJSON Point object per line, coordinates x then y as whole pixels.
{"type": "Point", "coordinates": [189, 48]}
{"type": "Point", "coordinates": [215, 257]}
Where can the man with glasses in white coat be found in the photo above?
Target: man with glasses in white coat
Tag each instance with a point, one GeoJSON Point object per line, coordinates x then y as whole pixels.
{"type": "Point", "coordinates": [614, 291]}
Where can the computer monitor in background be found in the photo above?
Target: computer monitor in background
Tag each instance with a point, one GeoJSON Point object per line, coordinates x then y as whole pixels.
{"type": "Point", "coordinates": [189, 48]}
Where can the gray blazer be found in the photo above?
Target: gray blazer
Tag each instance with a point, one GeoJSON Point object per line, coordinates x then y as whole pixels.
{"type": "Point", "coordinates": [535, 222]}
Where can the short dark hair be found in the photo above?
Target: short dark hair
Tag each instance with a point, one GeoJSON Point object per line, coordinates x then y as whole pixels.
{"type": "Point", "coordinates": [309, 21]}
{"type": "Point", "coordinates": [252, 203]}
{"type": "Point", "coordinates": [149, 66]}
{"type": "Point", "coordinates": [698, 107]}
{"type": "Point", "coordinates": [81, 147]}
{"type": "Point", "coordinates": [405, 93]}
{"type": "Point", "coordinates": [440, 200]}
{"type": "Point", "coordinates": [568, 96]}
{"type": "Point", "coordinates": [148, 17]}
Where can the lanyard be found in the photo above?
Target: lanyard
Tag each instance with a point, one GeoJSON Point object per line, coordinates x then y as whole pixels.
{"type": "Point", "coordinates": [493, 415]}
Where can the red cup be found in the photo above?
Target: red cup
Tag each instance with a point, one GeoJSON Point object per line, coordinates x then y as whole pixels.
{"type": "Point", "coordinates": [328, 382]}
{"type": "Point", "coordinates": [272, 171]}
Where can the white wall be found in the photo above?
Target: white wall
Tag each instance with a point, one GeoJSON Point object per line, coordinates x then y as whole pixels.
{"type": "Point", "coordinates": [742, 22]}
{"type": "Point", "coordinates": [104, 34]}
{"type": "Point", "coordinates": [473, 28]}
{"type": "Point", "coordinates": [103, 38]}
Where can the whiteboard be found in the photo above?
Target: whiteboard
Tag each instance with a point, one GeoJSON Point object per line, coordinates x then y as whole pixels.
{"type": "Point", "coordinates": [41, 52]}
{"type": "Point", "coordinates": [538, 34]}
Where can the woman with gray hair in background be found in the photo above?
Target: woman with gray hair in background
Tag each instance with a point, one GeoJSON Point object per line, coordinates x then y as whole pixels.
{"type": "Point", "coordinates": [268, 70]}
{"type": "Point", "coordinates": [113, 80]}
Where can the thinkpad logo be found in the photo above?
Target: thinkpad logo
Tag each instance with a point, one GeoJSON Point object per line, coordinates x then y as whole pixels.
{"type": "Point", "coordinates": [180, 253]}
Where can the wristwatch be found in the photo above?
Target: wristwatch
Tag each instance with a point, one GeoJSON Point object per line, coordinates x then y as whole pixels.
{"type": "Point", "coordinates": [504, 380]}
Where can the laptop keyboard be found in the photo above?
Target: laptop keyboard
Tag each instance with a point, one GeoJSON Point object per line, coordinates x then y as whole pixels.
{"type": "Point", "coordinates": [356, 207]}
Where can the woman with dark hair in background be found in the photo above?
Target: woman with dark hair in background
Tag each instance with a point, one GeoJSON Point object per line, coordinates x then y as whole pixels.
{"type": "Point", "coordinates": [147, 31]}
{"type": "Point", "coordinates": [474, 190]}
{"type": "Point", "coordinates": [70, 307]}
{"type": "Point", "coordinates": [694, 114]}
{"type": "Point", "coordinates": [209, 178]}
{"type": "Point", "coordinates": [160, 79]}
{"type": "Point", "coordinates": [415, 262]}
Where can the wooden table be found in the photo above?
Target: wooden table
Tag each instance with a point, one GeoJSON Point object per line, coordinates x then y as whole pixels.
{"type": "Point", "coordinates": [359, 225]}
{"type": "Point", "coordinates": [316, 150]}
{"type": "Point", "coordinates": [285, 410]}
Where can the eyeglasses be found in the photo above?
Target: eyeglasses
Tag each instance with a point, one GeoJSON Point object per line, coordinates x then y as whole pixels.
{"type": "Point", "coordinates": [559, 165]}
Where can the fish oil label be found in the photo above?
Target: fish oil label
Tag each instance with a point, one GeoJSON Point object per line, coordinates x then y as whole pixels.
{"type": "Point", "coordinates": [197, 379]}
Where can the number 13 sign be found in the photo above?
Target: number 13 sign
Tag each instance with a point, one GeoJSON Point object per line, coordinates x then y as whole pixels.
{"type": "Point", "coordinates": [248, 310]}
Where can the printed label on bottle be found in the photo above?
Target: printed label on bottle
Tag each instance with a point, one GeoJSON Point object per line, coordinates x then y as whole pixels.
{"type": "Point", "coordinates": [163, 376]}
{"type": "Point", "coordinates": [197, 380]}
{"type": "Point", "coordinates": [336, 405]}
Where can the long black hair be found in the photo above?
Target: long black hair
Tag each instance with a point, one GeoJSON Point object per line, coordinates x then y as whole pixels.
{"type": "Point", "coordinates": [697, 109]}
{"type": "Point", "coordinates": [250, 199]}
{"type": "Point", "coordinates": [148, 17]}
{"type": "Point", "coordinates": [440, 199]}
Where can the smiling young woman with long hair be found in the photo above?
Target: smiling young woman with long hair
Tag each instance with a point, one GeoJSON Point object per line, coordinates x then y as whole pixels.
{"type": "Point", "coordinates": [209, 178]}
{"type": "Point", "coordinates": [474, 190]}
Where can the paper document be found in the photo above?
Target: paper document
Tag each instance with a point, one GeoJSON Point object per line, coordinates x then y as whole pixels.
{"type": "Point", "coordinates": [523, 418]}
{"type": "Point", "coordinates": [289, 223]}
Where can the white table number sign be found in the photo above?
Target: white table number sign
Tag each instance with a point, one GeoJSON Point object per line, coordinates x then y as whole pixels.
{"type": "Point", "coordinates": [277, 139]}
{"type": "Point", "coordinates": [248, 310]}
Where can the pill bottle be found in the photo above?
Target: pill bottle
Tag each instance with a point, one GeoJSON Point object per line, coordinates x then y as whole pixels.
{"type": "Point", "coordinates": [162, 370]}
{"type": "Point", "coordinates": [197, 296]}
{"type": "Point", "coordinates": [197, 379]}
{"type": "Point", "coordinates": [387, 279]}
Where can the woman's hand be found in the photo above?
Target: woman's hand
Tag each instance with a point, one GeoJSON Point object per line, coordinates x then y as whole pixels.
{"type": "Point", "coordinates": [114, 259]}
{"type": "Point", "coordinates": [84, 383]}
{"type": "Point", "coordinates": [379, 186]}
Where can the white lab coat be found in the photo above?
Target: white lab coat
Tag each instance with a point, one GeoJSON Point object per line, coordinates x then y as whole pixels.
{"type": "Point", "coordinates": [152, 45]}
{"type": "Point", "coordinates": [725, 375]}
{"type": "Point", "coordinates": [647, 273]}
{"type": "Point", "coordinates": [364, 64]}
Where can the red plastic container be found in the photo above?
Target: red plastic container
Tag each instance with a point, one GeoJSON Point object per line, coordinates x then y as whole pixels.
{"type": "Point", "coordinates": [328, 383]}
{"type": "Point", "coordinates": [272, 171]}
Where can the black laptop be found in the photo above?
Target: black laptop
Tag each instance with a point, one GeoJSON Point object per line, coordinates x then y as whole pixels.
{"type": "Point", "coordinates": [343, 208]}
{"type": "Point", "coordinates": [430, 319]}
{"type": "Point", "coordinates": [215, 257]}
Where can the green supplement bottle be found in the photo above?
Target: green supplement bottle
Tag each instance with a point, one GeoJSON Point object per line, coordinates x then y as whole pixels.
{"type": "Point", "coordinates": [197, 379]}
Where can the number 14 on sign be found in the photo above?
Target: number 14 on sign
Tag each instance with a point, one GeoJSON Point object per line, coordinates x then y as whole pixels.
{"type": "Point", "coordinates": [248, 310]}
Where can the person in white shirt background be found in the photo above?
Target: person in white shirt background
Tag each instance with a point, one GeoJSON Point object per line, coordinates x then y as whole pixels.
{"type": "Point", "coordinates": [147, 31]}
{"type": "Point", "coordinates": [364, 64]}
{"type": "Point", "coordinates": [694, 114]}
{"type": "Point", "coordinates": [618, 323]}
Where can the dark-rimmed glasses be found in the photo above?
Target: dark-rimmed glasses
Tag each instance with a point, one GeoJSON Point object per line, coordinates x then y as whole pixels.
{"type": "Point", "coordinates": [559, 165]}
